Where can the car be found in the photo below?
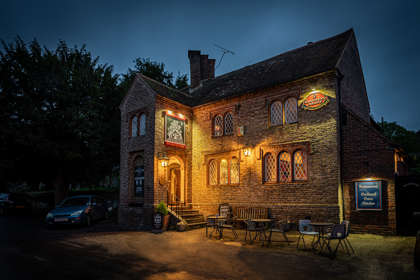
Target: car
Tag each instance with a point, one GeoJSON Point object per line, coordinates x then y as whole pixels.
{"type": "Point", "coordinates": [78, 210]}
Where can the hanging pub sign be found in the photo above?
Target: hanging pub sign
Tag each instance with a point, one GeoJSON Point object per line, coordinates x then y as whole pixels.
{"type": "Point", "coordinates": [174, 130]}
{"type": "Point", "coordinates": [315, 100]}
{"type": "Point", "coordinates": [368, 195]}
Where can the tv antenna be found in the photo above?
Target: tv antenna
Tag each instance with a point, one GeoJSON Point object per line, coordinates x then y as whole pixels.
{"type": "Point", "coordinates": [225, 51]}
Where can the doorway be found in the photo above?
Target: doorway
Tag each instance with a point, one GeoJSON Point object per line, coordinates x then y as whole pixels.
{"type": "Point", "coordinates": [176, 176]}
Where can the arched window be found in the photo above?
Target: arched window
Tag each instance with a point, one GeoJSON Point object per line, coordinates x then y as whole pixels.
{"type": "Point", "coordinates": [269, 168]}
{"type": "Point", "coordinates": [212, 172]}
{"type": "Point", "coordinates": [142, 124]}
{"type": "Point", "coordinates": [234, 171]}
{"type": "Point", "coordinates": [228, 124]}
{"type": "Point", "coordinates": [218, 125]}
{"type": "Point", "coordinates": [299, 165]}
{"type": "Point", "coordinates": [290, 110]}
{"type": "Point", "coordinates": [224, 172]}
{"type": "Point", "coordinates": [139, 176]}
{"type": "Point", "coordinates": [276, 113]}
{"type": "Point", "coordinates": [134, 126]}
{"type": "Point", "coordinates": [284, 167]}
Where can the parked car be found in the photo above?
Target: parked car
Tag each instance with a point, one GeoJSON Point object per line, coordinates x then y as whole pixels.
{"type": "Point", "coordinates": [80, 209]}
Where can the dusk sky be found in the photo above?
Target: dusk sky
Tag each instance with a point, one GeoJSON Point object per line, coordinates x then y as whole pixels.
{"type": "Point", "coordinates": [387, 32]}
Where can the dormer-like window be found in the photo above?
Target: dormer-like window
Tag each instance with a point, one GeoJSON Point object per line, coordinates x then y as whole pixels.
{"type": "Point", "coordinates": [142, 124]}
{"type": "Point", "coordinates": [228, 124]}
{"type": "Point", "coordinates": [218, 125]}
{"type": "Point", "coordinates": [134, 126]}
{"type": "Point", "coordinates": [290, 110]}
{"type": "Point", "coordinates": [276, 113]}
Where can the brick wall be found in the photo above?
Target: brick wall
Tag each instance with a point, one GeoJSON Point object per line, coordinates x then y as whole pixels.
{"type": "Point", "coordinates": [316, 130]}
{"type": "Point", "coordinates": [367, 154]}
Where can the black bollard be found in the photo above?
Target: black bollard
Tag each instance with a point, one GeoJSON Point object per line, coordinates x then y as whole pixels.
{"type": "Point", "coordinates": [417, 252]}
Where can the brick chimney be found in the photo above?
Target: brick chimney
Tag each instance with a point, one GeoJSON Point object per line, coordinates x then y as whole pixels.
{"type": "Point", "coordinates": [201, 67]}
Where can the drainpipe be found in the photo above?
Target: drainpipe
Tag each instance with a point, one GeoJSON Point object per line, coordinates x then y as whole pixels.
{"type": "Point", "coordinates": [340, 125]}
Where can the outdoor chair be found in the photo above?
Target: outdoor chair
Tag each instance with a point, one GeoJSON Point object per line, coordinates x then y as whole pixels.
{"type": "Point", "coordinates": [279, 227]}
{"type": "Point", "coordinates": [346, 241]}
{"type": "Point", "coordinates": [305, 228]}
{"type": "Point", "coordinates": [253, 227]}
{"type": "Point", "coordinates": [211, 223]}
{"type": "Point", "coordinates": [227, 223]}
{"type": "Point", "coordinates": [338, 232]}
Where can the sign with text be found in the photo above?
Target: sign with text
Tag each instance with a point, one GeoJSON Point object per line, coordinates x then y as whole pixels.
{"type": "Point", "coordinates": [314, 101]}
{"type": "Point", "coordinates": [174, 130]}
{"type": "Point", "coordinates": [368, 195]}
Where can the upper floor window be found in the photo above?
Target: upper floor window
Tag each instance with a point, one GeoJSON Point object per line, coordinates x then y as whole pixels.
{"type": "Point", "coordinates": [134, 126]}
{"type": "Point", "coordinates": [218, 125]}
{"type": "Point", "coordinates": [269, 168]}
{"type": "Point", "coordinates": [276, 113]}
{"type": "Point", "coordinates": [142, 124]}
{"type": "Point", "coordinates": [228, 124]}
{"type": "Point", "coordinates": [290, 110]}
{"type": "Point", "coordinates": [284, 167]}
{"type": "Point", "coordinates": [299, 165]}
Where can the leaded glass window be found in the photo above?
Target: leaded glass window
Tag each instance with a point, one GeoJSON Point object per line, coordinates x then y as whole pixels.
{"type": "Point", "coordinates": [290, 110]}
{"type": "Point", "coordinates": [134, 126]}
{"type": "Point", "coordinates": [224, 172]}
{"type": "Point", "coordinates": [234, 171]}
{"type": "Point", "coordinates": [276, 113]}
{"type": "Point", "coordinates": [142, 124]}
{"type": "Point", "coordinates": [228, 124]}
{"type": "Point", "coordinates": [218, 125]}
{"type": "Point", "coordinates": [284, 167]}
{"type": "Point", "coordinates": [213, 172]}
{"type": "Point", "coordinates": [269, 168]}
{"type": "Point", "coordinates": [299, 165]}
{"type": "Point", "coordinates": [139, 176]}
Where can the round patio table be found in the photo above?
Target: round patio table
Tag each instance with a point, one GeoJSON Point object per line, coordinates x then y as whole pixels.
{"type": "Point", "coordinates": [321, 228]}
{"type": "Point", "coordinates": [217, 219]}
{"type": "Point", "coordinates": [262, 229]}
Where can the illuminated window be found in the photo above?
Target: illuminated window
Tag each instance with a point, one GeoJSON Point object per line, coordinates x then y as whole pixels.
{"type": "Point", "coordinates": [142, 124]}
{"type": "Point", "coordinates": [269, 168]}
{"type": "Point", "coordinates": [228, 124]}
{"type": "Point", "coordinates": [234, 171]}
{"type": "Point", "coordinates": [276, 113]}
{"type": "Point", "coordinates": [213, 172]}
{"type": "Point", "coordinates": [218, 125]}
{"type": "Point", "coordinates": [284, 167]}
{"type": "Point", "coordinates": [134, 126]}
{"type": "Point", "coordinates": [224, 172]}
{"type": "Point", "coordinates": [299, 165]}
{"type": "Point", "coordinates": [290, 110]}
{"type": "Point", "coordinates": [139, 176]}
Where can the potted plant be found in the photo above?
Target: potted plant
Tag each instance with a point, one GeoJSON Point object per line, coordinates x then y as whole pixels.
{"type": "Point", "coordinates": [163, 210]}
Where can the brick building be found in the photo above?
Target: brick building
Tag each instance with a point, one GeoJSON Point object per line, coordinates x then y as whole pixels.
{"type": "Point", "coordinates": [292, 133]}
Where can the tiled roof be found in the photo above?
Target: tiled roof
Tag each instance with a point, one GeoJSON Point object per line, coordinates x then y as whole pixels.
{"type": "Point", "coordinates": [305, 61]}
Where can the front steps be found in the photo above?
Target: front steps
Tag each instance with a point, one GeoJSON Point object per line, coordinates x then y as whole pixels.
{"type": "Point", "coordinates": [192, 217]}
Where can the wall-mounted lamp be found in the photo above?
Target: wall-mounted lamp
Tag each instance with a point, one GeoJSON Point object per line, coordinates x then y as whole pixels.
{"type": "Point", "coordinates": [164, 163]}
{"type": "Point", "coordinates": [163, 158]}
{"type": "Point", "coordinates": [247, 152]}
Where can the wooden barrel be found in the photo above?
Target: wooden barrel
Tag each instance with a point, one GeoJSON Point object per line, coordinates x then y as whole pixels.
{"type": "Point", "coordinates": [417, 251]}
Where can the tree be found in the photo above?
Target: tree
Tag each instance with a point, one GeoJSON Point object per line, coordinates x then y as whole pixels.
{"type": "Point", "coordinates": [58, 108]}
{"type": "Point", "coordinates": [407, 139]}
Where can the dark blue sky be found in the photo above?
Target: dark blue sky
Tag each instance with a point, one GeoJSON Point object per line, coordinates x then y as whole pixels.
{"type": "Point", "coordinates": [388, 35]}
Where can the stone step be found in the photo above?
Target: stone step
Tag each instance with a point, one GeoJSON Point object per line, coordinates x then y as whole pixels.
{"type": "Point", "coordinates": [190, 214]}
{"type": "Point", "coordinates": [196, 225]}
{"type": "Point", "coordinates": [194, 220]}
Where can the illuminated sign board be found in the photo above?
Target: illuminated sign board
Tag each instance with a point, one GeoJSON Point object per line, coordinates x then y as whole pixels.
{"type": "Point", "coordinates": [368, 195]}
{"type": "Point", "coordinates": [174, 130]}
{"type": "Point", "coordinates": [315, 100]}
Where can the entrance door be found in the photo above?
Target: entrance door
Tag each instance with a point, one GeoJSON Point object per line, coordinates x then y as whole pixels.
{"type": "Point", "coordinates": [175, 184]}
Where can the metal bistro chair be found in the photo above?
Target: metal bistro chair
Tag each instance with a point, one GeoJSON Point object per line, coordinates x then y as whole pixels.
{"type": "Point", "coordinates": [280, 227]}
{"type": "Point", "coordinates": [306, 229]}
{"type": "Point", "coordinates": [346, 241]}
{"type": "Point", "coordinates": [227, 223]}
{"type": "Point", "coordinates": [211, 223]}
{"type": "Point", "coordinates": [253, 227]}
{"type": "Point", "coordinates": [338, 233]}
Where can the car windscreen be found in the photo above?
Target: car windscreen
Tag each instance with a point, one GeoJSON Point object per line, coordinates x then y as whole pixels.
{"type": "Point", "coordinates": [75, 201]}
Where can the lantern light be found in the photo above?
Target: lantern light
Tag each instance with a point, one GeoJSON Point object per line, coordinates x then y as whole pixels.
{"type": "Point", "coordinates": [247, 152]}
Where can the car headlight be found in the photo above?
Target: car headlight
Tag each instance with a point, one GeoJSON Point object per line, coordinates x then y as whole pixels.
{"type": "Point", "coordinates": [77, 213]}
{"type": "Point", "coordinates": [50, 216]}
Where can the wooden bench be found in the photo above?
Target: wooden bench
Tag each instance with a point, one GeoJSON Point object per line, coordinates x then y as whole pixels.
{"type": "Point", "coordinates": [246, 213]}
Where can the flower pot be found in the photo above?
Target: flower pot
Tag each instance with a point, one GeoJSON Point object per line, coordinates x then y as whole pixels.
{"type": "Point", "coordinates": [165, 222]}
